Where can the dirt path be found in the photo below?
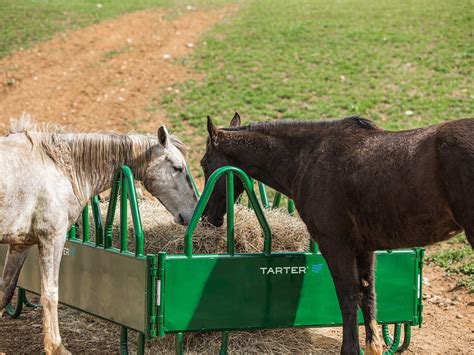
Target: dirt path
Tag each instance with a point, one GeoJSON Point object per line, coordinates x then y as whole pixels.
{"type": "Point", "coordinates": [108, 76]}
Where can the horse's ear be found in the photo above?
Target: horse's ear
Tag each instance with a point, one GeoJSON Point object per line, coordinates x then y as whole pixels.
{"type": "Point", "coordinates": [212, 130]}
{"type": "Point", "coordinates": [163, 136]}
{"type": "Point", "coordinates": [235, 122]}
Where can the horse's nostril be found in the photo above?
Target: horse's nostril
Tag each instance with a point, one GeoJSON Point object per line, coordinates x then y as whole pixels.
{"type": "Point", "coordinates": [180, 219]}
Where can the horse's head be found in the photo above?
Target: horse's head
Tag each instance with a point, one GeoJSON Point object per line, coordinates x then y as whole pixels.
{"type": "Point", "coordinates": [167, 179]}
{"type": "Point", "coordinates": [214, 158]}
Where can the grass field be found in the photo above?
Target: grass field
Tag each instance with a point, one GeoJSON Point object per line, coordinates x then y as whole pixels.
{"type": "Point", "coordinates": [403, 64]}
{"type": "Point", "coordinates": [25, 22]}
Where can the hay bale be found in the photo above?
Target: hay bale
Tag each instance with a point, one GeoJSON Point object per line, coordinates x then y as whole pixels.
{"type": "Point", "coordinates": [289, 234]}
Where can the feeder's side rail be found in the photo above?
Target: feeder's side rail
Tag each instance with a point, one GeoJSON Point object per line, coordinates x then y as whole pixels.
{"type": "Point", "coordinates": [254, 291]}
{"type": "Point", "coordinates": [104, 284]}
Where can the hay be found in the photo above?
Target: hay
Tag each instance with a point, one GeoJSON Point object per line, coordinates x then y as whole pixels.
{"type": "Point", "coordinates": [289, 234]}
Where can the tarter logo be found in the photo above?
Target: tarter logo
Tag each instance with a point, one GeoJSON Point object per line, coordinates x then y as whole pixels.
{"type": "Point", "coordinates": [284, 270]}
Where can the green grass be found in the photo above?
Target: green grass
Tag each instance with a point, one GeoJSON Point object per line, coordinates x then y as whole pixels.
{"type": "Point", "coordinates": [313, 59]}
{"type": "Point", "coordinates": [456, 257]}
{"type": "Point", "coordinates": [25, 22]}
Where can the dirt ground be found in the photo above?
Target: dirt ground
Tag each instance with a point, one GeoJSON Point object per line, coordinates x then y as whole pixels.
{"type": "Point", "coordinates": [103, 78]}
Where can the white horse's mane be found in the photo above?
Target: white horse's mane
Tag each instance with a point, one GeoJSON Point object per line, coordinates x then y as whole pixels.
{"type": "Point", "coordinates": [76, 153]}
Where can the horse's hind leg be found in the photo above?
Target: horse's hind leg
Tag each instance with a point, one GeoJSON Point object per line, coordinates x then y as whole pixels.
{"type": "Point", "coordinates": [50, 252]}
{"type": "Point", "coordinates": [15, 258]}
{"type": "Point", "coordinates": [365, 264]}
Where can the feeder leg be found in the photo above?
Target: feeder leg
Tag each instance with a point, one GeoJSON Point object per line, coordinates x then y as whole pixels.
{"type": "Point", "coordinates": [124, 341]}
{"type": "Point", "coordinates": [140, 344]}
{"type": "Point", "coordinates": [397, 334]}
{"type": "Point", "coordinates": [29, 304]}
{"type": "Point", "coordinates": [224, 343]}
{"type": "Point", "coordinates": [179, 343]}
{"type": "Point", "coordinates": [20, 300]}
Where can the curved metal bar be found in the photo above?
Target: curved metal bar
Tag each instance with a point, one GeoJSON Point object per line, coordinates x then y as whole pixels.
{"type": "Point", "coordinates": [393, 345]}
{"type": "Point", "coordinates": [29, 304]}
{"type": "Point", "coordinates": [193, 183]}
{"type": "Point", "coordinates": [123, 181]}
{"type": "Point", "coordinates": [206, 194]}
{"type": "Point", "coordinates": [263, 195]}
{"type": "Point", "coordinates": [291, 207]}
{"type": "Point", "coordinates": [406, 338]}
{"type": "Point", "coordinates": [99, 227]}
{"type": "Point", "coordinates": [85, 224]}
{"type": "Point", "coordinates": [20, 300]}
{"type": "Point", "coordinates": [276, 200]}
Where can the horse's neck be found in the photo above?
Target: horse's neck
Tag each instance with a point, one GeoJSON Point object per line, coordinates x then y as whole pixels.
{"type": "Point", "coordinates": [94, 158]}
{"type": "Point", "coordinates": [266, 160]}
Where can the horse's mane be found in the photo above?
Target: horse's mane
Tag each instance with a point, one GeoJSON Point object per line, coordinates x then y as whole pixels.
{"type": "Point", "coordinates": [25, 123]}
{"type": "Point", "coordinates": [287, 126]}
{"type": "Point", "coordinates": [77, 153]}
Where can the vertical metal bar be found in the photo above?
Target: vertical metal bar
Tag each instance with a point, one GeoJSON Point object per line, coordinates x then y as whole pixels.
{"type": "Point", "coordinates": [276, 200]}
{"type": "Point", "coordinates": [160, 290]}
{"type": "Point", "coordinates": [99, 228]}
{"type": "Point", "coordinates": [291, 207]}
{"type": "Point", "coordinates": [85, 224]}
{"type": "Point", "coordinates": [179, 343]}
{"type": "Point", "coordinates": [109, 221]}
{"type": "Point", "coordinates": [137, 221]}
{"type": "Point", "coordinates": [263, 195]}
{"type": "Point", "coordinates": [153, 282]}
{"type": "Point", "coordinates": [192, 181]}
{"type": "Point", "coordinates": [230, 212]}
{"type": "Point", "coordinates": [124, 340]}
{"type": "Point", "coordinates": [252, 183]}
{"type": "Point", "coordinates": [140, 343]}
{"type": "Point", "coordinates": [313, 247]}
{"type": "Point", "coordinates": [123, 215]}
{"type": "Point", "coordinates": [72, 234]}
{"type": "Point", "coordinates": [224, 343]}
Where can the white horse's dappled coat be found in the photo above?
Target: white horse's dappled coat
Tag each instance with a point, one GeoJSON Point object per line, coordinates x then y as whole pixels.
{"type": "Point", "coordinates": [49, 175]}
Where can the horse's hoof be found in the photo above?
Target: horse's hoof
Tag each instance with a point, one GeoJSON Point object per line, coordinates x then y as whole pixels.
{"type": "Point", "coordinates": [60, 350]}
{"type": "Point", "coordinates": [373, 349]}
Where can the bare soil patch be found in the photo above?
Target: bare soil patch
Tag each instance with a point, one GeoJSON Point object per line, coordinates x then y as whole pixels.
{"type": "Point", "coordinates": [108, 76]}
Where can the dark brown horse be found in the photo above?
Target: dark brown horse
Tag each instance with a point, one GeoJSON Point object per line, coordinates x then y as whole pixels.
{"type": "Point", "coordinates": [358, 189]}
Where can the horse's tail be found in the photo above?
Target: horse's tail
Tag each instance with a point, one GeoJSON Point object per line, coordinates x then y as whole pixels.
{"type": "Point", "coordinates": [455, 147]}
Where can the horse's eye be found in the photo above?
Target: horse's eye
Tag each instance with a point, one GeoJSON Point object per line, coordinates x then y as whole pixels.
{"type": "Point", "coordinates": [177, 169]}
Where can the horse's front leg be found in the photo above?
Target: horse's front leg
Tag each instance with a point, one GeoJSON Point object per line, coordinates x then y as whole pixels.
{"type": "Point", "coordinates": [365, 264]}
{"type": "Point", "coordinates": [341, 260]}
{"type": "Point", "coordinates": [50, 252]}
{"type": "Point", "coordinates": [15, 258]}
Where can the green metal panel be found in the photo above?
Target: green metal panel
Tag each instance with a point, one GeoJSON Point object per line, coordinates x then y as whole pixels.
{"type": "Point", "coordinates": [107, 284]}
{"type": "Point", "coordinates": [219, 292]}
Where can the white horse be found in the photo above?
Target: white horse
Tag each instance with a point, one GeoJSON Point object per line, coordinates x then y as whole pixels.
{"type": "Point", "coordinates": [47, 178]}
